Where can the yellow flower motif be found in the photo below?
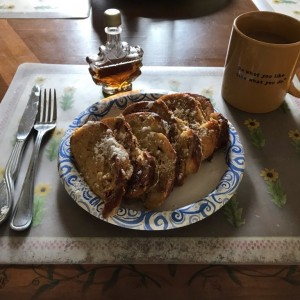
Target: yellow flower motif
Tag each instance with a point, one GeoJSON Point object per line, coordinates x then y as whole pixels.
{"type": "Point", "coordinates": [58, 132]}
{"type": "Point", "coordinates": [1, 173]}
{"type": "Point", "coordinates": [7, 6]}
{"type": "Point", "coordinates": [42, 189]}
{"type": "Point", "coordinates": [207, 92]}
{"type": "Point", "coordinates": [40, 80]}
{"type": "Point", "coordinates": [294, 135]}
{"type": "Point", "coordinates": [297, 12]}
{"type": "Point", "coordinates": [277, 1]}
{"type": "Point", "coordinates": [252, 123]}
{"type": "Point", "coordinates": [269, 175]}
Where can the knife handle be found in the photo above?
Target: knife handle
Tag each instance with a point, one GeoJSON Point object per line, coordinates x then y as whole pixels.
{"type": "Point", "coordinates": [7, 187]}
{"type": "Point", "coordinates": [23, 213]}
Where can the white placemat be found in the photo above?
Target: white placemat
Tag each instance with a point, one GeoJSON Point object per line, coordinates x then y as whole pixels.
{"type": "Point", "coordinates": [287, 7]}
{"type": "Point", "coordinates": [62, 232]}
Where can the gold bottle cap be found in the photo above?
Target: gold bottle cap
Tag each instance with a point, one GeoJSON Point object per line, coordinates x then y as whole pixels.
{"type": "Point", "coordinates": [112, 18]}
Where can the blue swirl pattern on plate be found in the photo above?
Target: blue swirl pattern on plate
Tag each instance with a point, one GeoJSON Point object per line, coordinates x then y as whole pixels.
{"type": "Point", "coordinates": [146, 220]}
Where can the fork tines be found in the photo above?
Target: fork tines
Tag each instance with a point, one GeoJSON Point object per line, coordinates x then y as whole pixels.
{"type": "Point", "coordinates": [47, 111]}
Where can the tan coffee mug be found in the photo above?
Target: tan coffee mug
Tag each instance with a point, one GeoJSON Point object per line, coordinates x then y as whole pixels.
{"type": "Point", "coordinates": [262, 58]}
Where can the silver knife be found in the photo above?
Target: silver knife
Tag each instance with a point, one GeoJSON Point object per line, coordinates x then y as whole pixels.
{"type": "Point", "coordinates": [13, 164]}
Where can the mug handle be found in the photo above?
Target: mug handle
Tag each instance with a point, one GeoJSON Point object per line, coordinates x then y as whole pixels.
{"type": "Point", "coordinates": [292, 89]}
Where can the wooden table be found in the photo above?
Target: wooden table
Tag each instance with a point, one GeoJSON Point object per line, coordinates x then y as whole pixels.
{"type": "Point", "coordinates": [180, 36]}
{"type": "Point", "coordinates": [167, 38]}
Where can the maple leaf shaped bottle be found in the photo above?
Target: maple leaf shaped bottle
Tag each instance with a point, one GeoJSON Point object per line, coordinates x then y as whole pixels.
{"type": "Point", "coordinates": [117, 64]}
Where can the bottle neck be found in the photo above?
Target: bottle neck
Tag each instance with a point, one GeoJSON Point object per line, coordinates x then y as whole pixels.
{"type": "Point", "coordinates": [113, 42]}
{"type": "Point", "coordinates": [113, 33]}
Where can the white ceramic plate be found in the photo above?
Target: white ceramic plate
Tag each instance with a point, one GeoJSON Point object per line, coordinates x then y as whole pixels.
{"type": "Point", "coordinates": [201, 195]}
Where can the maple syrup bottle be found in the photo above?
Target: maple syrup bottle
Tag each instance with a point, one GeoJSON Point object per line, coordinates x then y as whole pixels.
{"type": "Point", "coordinates": [117, 64]}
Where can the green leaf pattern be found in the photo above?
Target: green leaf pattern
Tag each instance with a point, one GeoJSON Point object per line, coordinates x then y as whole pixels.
{"type": "Point", "coordinates": [233, 212]}
{"type": "Point", "coordinates": [38, 210]}
{"type": "Point", "coordinates": [52, 148]}
{"type": "Point", "coordinates": [41, 7]}
{"type": "Point", "coordinates": [277, 193]}
{"type": "Point", "coordinates": [274, 187]}
{"type": "Point", "coordinates": [67, 98]}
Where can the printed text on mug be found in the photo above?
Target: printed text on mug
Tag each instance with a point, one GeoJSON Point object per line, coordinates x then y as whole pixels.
{"type": "Point", "coordinates": [260, 78]}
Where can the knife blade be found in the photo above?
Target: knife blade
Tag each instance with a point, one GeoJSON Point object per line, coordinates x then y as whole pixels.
{"type": "Point", "coordinates": [13, 164]}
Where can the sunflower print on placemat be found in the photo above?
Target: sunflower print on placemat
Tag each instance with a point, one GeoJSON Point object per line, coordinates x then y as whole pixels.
{"type": "Point", "coordinates": [41, 192]}
{"type": "Point", "coordinates": [40, 80]}
{"type": "Point", "coordinates": [275, 189]}
{"type": "Point", "coordinates": [294, 135]}
{"type": "Point", "coordinates": [256, 134]}
{"type": "Point", "coordinates": [7, 6]}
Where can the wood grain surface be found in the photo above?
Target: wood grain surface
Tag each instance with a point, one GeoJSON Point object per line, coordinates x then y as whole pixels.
{"type": "Point", "coordinates": [172, 33]}
{"type": "Point", "coordinates": [147, 282]}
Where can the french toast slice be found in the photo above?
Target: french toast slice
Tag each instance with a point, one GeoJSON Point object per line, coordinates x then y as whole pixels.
{"type": "Point", "coordinates": [205, 105]}
{"type": "Point", "coordinates": [185, 107]}
{"type": "Point", "coordinates": [151, 133]}
{"type": "Point", "coordinates": [223, 130]}
{"type": "Point", "coordinates": [199, 115]}
{"type": "Point", "coordinates": [158, 107]}
{"type": "Point", "coordinates": [103, 162]}
{"type": "Point", "coordinates": [145, 122]}
{"type": "Point", "coordinates": [184, 140]}
{"type": "Point", "coordinates": [144, 165]}
{"type": "Point", "coordinates": [210, 113]}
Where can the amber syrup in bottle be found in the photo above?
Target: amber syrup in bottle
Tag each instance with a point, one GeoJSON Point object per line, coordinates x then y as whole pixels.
{"type": "Point", "coordinates": [117, 64]}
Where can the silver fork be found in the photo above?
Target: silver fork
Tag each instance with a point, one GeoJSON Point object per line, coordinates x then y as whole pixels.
{"type": "Point", "coordinates": [45, 121]}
